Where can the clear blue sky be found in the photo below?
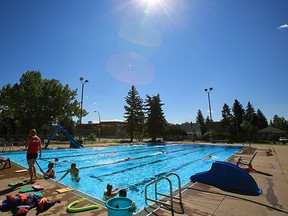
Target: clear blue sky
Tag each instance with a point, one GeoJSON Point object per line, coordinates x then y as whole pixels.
{"type": "Point", "coordinates": [172, 48]}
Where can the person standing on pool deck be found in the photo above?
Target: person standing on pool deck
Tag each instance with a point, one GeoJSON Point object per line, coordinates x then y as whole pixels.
{"type": "Point", "coordinates": [34, 145]}
{"type": "Point", "coordinates": [74, 171]}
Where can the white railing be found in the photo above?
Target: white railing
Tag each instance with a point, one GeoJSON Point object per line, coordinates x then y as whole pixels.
{"type": "Point", "coordinates": [169, 197]}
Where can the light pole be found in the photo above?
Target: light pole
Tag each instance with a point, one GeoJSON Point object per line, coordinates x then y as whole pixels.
{"type": "Point", "coordinates": [208, 91]}
{"type": "Point", "coordinates": [81, 109]}
{"type": "Point", "coordinates": [99, 124]}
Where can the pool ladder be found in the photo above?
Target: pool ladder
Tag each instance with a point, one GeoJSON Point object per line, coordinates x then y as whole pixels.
{"type": "Point", "coordinates": [169, 196]}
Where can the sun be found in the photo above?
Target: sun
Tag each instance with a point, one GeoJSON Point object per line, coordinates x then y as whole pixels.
{"type": "Point", "coordinates": [153, 3]}
{"type": "Point", "coordinates": [149, 4]}
{"type": "Point", "coordinates": [167, 8]}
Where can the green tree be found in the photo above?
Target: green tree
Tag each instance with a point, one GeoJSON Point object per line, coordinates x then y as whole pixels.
{"type": "Point", "coordinates": [208, 121]}
{"type": "Point", "coordinates": [175, 132]}
{"type": "Point", "coordinates": [8, 123]}
{"type": "Point", "coordinates": [156, 122]}
{"type": "Point", "coordinates": [134, 114]}
{"type": "Point", "coordinates": [200, 120]}
{"type": "Point", "coordinates": [249, 129]}
{"type": "Point", "coordinates": [226, 116]}
{"type": "Point", "coordinates": [34, 102]}
{"type": "Point", "coordinates": [250, 114]}
{"type": "Point", "coordinates": [238, 115]}
{"type": "Point", "coordinates": [261, 120]}
{"type": "Point", "coordinates": [227, 119]}
{"type": "Point", "coordinates": [279, 122]}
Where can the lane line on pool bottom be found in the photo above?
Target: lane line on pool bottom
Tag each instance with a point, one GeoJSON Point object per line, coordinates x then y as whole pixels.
{"type": "Point", "coordinates": [134, 187]}
{"type": "Point", "coordinates": [140, 165]}
{"type": "Point", "coordinates": [122, 160]}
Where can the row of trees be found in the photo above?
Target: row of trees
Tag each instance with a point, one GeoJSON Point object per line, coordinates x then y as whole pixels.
{"type": "Point", "coordinates": [241, 123]}
{"type": "Point", "coordinates": [279, 122]}
{"type": "Point", "coordinates": [144, 117]}
{"type": "Point", "coordinates": [35, 101]}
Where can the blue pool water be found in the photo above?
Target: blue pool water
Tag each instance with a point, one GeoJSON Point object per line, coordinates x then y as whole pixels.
{"type": "Point", "coordinates": [102, 165]}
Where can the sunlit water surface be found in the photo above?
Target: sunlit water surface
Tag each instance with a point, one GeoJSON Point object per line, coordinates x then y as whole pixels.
{"type": "Point", "coordinates": [102, 165]}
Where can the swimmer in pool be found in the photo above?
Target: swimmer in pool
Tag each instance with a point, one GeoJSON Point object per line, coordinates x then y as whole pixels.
{"type": "Point", "coordinates": [207, 157]}
{"type": "Point", "coordinates": [74, 172]}
{"type": "Point", "coordinates": [50, 173]}
{"type": "Point", "coordinates": [111, 192]}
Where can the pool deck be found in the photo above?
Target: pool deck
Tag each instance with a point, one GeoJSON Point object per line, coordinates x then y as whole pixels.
{"type": "Point", "coordinates": [198, 199]}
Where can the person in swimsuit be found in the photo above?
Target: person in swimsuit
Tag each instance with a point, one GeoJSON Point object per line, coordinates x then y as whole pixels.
{"type": "Point", "coordinates": [50, 173]}
{"type": "Point", "coordinates": [123, 192]}
{"type": "Point", "coordinates": [111, 192]}
{"type": "Point", "coordinates": [74, 172]}
{"type": "Point", "coordinates": [208, 157]}
{"type": "Point", "coordinates": [33, 144]}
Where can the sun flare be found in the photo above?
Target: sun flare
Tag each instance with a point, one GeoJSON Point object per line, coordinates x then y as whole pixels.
{"type": "Point", "coordinates": [168, 8]}
{"type": "Point", "coordinates": [152, 4]}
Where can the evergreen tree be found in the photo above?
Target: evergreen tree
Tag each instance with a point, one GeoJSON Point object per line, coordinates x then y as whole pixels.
{"type": "Point", "coordinates": [261, 120]}
{"type": "Point", "coordinates": [156, 122]}
{"type": "Point", "coordinates": [134, 114]}
{"type": "Point", "coordinates": [226, 116]}
{"type": "Point", "coordinates": [250, 115]}
{"type": "Point", "coordinates": [200, 120]}
{"type": "Point", "coordinates": [238, 115]}
{"type": "Point", "coordinates": [208, 121]}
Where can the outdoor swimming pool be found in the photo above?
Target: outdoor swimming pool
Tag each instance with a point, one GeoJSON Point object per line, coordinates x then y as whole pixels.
{"type": "Point", "coordinates": [102, 165]}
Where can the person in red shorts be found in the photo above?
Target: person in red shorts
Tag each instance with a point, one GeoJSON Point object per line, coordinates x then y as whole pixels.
{"type": "Point", "coordinates": [34, 145]}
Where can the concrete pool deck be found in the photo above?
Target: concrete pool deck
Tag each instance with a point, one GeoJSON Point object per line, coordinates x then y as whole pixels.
{"type": "Point", "coordinates": [198, 199]}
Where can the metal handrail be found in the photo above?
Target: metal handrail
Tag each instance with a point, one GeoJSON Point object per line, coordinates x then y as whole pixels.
{"type": "Point", "coordinates": [156, 200]}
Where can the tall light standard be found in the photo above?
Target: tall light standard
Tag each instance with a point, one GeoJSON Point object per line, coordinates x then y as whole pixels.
{"type": "Point", "coordinates": [99, 124]}
{"type": "Point", "coordinates": [81, 110]}
{"type": "Point", "coordinates": [208, 91]}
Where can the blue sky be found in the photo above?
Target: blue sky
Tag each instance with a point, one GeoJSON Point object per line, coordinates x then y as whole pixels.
{"type": "Point", "coordinates": [167, 47]}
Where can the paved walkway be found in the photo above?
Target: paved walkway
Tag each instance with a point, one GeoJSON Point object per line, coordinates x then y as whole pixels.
{"type": "Point", "coordinates": [198, 199]}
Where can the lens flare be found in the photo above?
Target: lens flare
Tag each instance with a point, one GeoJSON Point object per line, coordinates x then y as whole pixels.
{"type": "Point", "coordinates": [131, 68]}
{"type": "Point", "coordinates": [146, 11]}
{"type": "Point", "coordinates": [141, 33]}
